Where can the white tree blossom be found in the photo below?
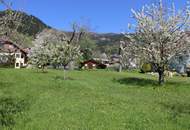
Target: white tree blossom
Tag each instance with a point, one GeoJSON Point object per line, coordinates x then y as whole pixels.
{"type": "Point", "coordinates": [128, 55]}
{"type": "Point", "coordinates": [53, 47]}
{"type": "Point", "coordinates": [40, 54]}
{"type": "Point", "coordinates": [160, 33]}
{"type": "Point", "coordinates": [62, 54]}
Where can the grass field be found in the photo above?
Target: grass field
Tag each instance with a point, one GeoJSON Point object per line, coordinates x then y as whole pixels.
{"type": "Point", "coordinates": [92, 100]}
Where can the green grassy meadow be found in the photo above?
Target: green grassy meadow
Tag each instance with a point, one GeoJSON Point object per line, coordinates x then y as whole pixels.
{"type": "Point", "coordinates": [92, 100]}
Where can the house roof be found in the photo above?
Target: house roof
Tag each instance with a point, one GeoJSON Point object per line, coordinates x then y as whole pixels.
{"type": "Point", "coordinates": [14, 49]}
{"type": "Point", "coordinates": [90, 61]}
{"type": "Point", "coordinates": [98, 64]}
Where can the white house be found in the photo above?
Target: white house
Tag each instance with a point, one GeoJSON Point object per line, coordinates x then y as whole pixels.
{"type": "Point", "coordinates": [11, 53]}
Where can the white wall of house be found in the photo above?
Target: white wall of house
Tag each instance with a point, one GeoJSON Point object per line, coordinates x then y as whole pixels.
{"type": "Point", "coordinates": [19, 61]}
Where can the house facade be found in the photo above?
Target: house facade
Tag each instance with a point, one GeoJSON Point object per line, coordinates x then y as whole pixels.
{"type": "Point", "coordinates": [11, 53]}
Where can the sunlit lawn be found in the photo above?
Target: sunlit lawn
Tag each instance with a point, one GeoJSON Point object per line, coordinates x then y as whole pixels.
{"type": "Point", "coordinates": [89, 100]}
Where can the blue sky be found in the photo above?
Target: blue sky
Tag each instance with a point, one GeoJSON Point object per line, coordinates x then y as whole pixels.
{"type": "Point", "coordinates": [101, 15]}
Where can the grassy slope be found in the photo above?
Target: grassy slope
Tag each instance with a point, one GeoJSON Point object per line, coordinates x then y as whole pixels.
{"type": "Point", "coordinates": [96, 100]}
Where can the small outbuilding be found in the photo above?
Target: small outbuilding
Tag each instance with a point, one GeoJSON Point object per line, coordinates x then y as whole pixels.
{"type": "Point", "coordinates": [92, 64]}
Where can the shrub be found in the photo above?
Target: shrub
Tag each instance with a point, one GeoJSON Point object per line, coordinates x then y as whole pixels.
{"type": "Point", "coordinates": [147, 67]}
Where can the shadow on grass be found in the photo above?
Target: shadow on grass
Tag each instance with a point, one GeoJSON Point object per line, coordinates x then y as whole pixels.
{"type": "Point", "coordinates": [62, 78]}
{"type": "Point", "coordinates": [143, 82]}
{"type": "Point", "coordinates": [9, 110]}
{"type": "Point", "coordinates": [5, 84]}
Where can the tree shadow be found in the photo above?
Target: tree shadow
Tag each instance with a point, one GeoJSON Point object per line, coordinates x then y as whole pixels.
{"type": "Point", "coordinates": [133, 81]}
{"type": "Point", "coordinates": [144, 82]}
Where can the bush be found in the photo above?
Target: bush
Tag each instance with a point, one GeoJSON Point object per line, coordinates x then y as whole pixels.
{"type": "Point", "coordinates": [147, 67]}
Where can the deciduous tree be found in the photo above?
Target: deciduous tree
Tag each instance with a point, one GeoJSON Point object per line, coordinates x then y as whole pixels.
{"type": "Point", "coordinates": [160, 33]}
{"type": "Point", "coordinates": [40, 54]}
{"type": "Point", "coordinates": [55, 48]}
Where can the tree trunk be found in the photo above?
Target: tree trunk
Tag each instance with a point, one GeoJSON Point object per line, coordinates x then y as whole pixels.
{"type": "Point", "coordinates": [161, 75]}
{"type": "Point", "coordinates": [64, 73]}
{"type": "Point", "coordinates": [54, 66]}
{"type": "Point", "coordinates": [120, 68]}
{"type": "Point", "coordinates": [120, 60]}
{"type": "Point", "coordinates": [188, 74]}
{"type": "Point", "coordinates": [43, 69]}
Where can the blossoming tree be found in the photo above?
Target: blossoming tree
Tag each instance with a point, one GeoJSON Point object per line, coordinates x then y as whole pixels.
{"type": "Point", "coordinates": [160, 33]}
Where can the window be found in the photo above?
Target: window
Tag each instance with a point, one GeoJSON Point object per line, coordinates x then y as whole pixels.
{"type": "Point", "coordinates": [17, 55]}
{"type": "Point", "coordinates": [17, 64]}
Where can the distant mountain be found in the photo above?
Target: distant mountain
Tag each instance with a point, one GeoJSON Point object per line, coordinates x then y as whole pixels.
{"type": "Point", "coordinates": [108, 42]}
{"type": "Point", "coordinates": [107, 38]}
{"type": "Point", "coordinates": [28, 24]}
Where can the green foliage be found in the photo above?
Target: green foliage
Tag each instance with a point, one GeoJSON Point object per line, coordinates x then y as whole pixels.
{"type": "Point", "coordinates": [87, 54]}
{"type": "Point", "coordinates": [88, 46]}
{"type": "Point", "coordinates": [87, 42]}
{"type": "Point", "coordinates": [147, 67]}
{"type": "Point", "coordinates": [108, 48]}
